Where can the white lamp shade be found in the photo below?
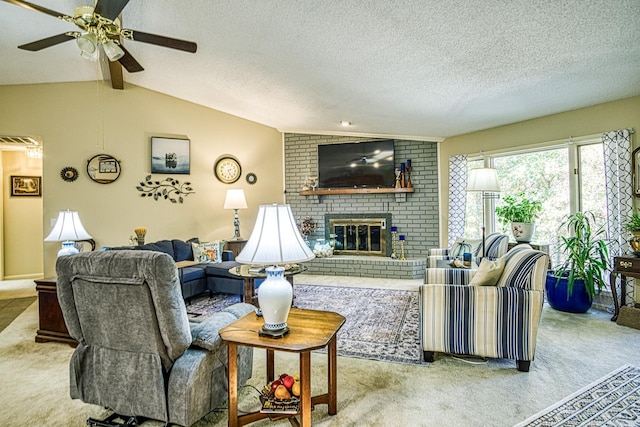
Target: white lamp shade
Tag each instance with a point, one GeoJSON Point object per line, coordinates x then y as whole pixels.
{"type": "Point", "coordinates": [67, 227]}
{"type": "Point", "coordinates": [235, 200]}
{"type": "Point", "coordinates": [483, 179]}
{"type": "Point", "coordinates": [275, 239]}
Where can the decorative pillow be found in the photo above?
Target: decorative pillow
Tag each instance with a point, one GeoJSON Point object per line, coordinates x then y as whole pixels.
{"type": "Point", "coordinates": [462, 245]}
{"type": "Point", "coordinates": [489, 272]}
{"type": "Point", "coordinates": [207, 252]}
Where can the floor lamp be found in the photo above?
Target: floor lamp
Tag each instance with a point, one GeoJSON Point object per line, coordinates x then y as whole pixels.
{"type": "Point", "coordinates": [484, 180]}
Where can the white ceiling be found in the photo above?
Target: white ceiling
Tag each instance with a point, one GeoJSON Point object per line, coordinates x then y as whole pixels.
{"type": "Point", "coordinates": [413, 68]}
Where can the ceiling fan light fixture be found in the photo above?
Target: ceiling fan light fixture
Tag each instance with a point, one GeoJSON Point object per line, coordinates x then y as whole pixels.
{"type": "Point", "coordinates": [88, 43]}
{"type": "Point", "coordinates": [112, 50]}
{"type": "Point", "coordinates": [90, 56]}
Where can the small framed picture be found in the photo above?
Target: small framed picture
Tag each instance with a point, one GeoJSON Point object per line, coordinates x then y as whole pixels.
{"type": "Point", "coordinates": [170, 155]}
{"type": "Point", "coordinates": [635, 164]}
{"type": "Point", "coordinates": [26, 186]}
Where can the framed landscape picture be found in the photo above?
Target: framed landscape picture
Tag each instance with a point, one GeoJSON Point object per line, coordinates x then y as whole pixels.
{"type": "Point", "coordinates": [26, 186]}
{"type": "Point", "coordinates": [170, 155]}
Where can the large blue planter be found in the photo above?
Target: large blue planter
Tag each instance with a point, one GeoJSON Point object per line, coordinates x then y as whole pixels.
{"type": "Point", "coordinates": [577, 302]}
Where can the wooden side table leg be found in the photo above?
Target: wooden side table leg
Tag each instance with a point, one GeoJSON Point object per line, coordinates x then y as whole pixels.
{"type": "Point", "coordinates": [305, 392]}
{"type": "Point", "coordinates": [270, 363]}
{"type": "Point", "coordinates": [232, 359]}
{"type": "Point", "coordinates": [248, 290]}
{"type": "Point", "coordinates": [332, 355]}
{"type": "Point", "coordinates": [614, 295]}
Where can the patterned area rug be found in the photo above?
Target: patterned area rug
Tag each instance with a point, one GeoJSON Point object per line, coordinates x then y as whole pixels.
{"type": "Point", "coordinates": [381, 324]}
{"type": "Point", "coordinates": [613, 400]}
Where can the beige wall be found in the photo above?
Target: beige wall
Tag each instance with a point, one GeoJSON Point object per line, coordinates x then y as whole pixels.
{"type": "Point", "coordinates": [79, 120]}
{"type": "Point", "coordinates": [21, 220]}
{"type": "Point", "coordinates": [586, 121]}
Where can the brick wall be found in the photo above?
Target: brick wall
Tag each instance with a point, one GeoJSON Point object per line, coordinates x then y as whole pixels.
{"type": "Point", "coordinates": [415, 214]}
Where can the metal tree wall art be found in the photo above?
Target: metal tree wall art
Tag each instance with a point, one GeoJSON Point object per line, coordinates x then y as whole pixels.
{"type": "Point", "coordinates": [168, 189]}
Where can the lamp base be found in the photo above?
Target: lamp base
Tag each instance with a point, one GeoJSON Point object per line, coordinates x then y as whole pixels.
{"type": "Point", "coordinates": [68, 248]}
{"type": "Point", "coordinates": [273, 333]}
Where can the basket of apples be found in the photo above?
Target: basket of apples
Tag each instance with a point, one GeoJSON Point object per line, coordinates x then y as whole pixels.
{"type": "Point", "coordinates": [285, 389]}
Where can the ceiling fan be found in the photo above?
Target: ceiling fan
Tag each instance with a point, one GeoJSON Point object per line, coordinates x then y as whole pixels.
{"type": "Point", "coordinates": [101, 34]}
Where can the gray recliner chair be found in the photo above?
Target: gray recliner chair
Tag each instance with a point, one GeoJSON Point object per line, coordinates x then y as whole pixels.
{"type": "Point", "coordinates": [138, 354]}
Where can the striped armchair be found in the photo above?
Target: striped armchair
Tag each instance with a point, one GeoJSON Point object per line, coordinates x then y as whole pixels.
{"type": "Point", "coordinates": [489, 321]}
{"type": "Point", "coordinates": [496, 243]}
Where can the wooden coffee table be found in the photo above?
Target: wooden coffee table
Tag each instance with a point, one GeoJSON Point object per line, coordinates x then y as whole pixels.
{"type": "Point", "coordinates": [310, 330]}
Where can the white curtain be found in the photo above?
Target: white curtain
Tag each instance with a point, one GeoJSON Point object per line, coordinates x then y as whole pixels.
{"type": "Point", "coordinates": [619, 186]}
{"type": "Point", "coordinates": [457, 196]}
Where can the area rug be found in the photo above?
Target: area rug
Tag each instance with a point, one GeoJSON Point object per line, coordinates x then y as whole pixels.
{"type": "Point", "coordinates": [613, 400]}
{"type": "Point", "coordinates": [381, 324]}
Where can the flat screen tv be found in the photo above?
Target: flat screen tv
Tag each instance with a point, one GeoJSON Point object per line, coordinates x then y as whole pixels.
{"type": "Point", "coordinates": [356, 165]}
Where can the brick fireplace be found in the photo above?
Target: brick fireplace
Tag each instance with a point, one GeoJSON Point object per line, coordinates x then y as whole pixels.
{"type": "Point", "coordinates": [359, 234]}
{"type": "Point", "coordinates": [414, 214]}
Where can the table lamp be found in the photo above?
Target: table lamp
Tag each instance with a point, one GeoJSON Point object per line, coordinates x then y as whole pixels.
{"type": "Point", "coordinates": [67, 229]}
{"type": "Point", "coordinates": [235, 200]}
{"type": "Point", "coordinates": [275, 239]}
{"type": "Point", "coordinates": [484, 180]}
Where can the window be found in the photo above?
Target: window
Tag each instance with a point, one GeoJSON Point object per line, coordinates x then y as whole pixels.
{"type": "Point", "coordinates": [566, 179]}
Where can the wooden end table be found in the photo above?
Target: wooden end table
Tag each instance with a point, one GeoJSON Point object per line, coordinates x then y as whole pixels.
{"type": "Point", "coordinates": [249, 279]}
{"type": "Point", "coordinates": [310, 330]}
{"type": "Point", "coordinates": [52, 326]}
{"type": "Point", "coordinates": [625, 266]}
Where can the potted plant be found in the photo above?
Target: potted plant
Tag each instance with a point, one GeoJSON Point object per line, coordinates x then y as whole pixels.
{"type": "Point", "coordinates": [632, 224]}
{"type": "Point", "coordinates": [573, 285]}
{"type": "Point", "coordinates": [519, 212]}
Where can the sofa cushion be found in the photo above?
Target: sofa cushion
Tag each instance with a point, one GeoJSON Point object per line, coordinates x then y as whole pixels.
{"type": "Point", "coordinates": [461, 245]}
{"type": "Point", "coordinates": [160, 246]}
{"type": "Point", "coordinates": [221, 269]}
{"type": "Point", "coordinates": [187, 274]}
{"type": "Point", "coordinates": [207, 252]}
{"type": "Point", "coordinates": [488, 272]}
{"type": "Point", "coordinates": [182, 250]}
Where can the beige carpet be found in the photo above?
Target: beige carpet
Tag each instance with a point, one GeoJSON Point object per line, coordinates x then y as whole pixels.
{"type": "Point", "coordinates": [573, 350]}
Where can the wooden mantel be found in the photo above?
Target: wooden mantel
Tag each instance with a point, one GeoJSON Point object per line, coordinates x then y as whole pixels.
{"type": "Point", "coordinates": [324, 192]}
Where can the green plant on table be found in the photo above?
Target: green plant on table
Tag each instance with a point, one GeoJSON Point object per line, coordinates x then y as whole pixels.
{"type": "Point", "coordinates": [518, 208]}
{"type": "Point", "coordinates": [633, 222]}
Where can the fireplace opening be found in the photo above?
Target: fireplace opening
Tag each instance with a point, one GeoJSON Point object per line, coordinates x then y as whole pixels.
{"type": "Point", "coordinates": [357, 235]}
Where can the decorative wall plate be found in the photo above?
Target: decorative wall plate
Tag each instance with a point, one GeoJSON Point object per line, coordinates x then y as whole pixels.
{"type": "Point", "coordinates": [69, 174]}
{"type": "Point", "coordinates": [252, 178]}
{"type": "Point", "coordinates": [227, 169]}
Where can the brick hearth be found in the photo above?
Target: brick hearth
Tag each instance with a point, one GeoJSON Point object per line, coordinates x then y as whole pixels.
{"type": "Point", "coordinates": [367, 266]}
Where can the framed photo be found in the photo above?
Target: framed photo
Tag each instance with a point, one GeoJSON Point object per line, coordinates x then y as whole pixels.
{"type": "Point", "coordinates": [103, 168]}
{"type": "Point", "coordinates": [170, 155]}
{"type": "Point", "coordinates": [26, 186]}
{"type": "Point", "coordinates": [635, 164]}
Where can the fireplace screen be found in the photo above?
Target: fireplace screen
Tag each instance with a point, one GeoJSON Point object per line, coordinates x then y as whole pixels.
{"type": "Point", "coordinates": [361, 236]}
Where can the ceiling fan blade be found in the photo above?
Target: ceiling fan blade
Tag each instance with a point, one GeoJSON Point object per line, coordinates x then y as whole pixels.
{"type": "Point", "coordinates": [49, 41]}
{"type": "Point", "coordinates": [110, 9]}
{"type": "Point", "coordinates": [111, 71]}
{"type": "Point", "coordinates": [172, 43]}
{"type": "Point", "coordinates": [37, 8]}
{"type": "Point", "coordinates": [129, 62]}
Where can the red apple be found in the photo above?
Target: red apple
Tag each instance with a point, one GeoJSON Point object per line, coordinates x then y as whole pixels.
{"type": "Point", "coordinates": [288, 381]}
{"type": "Point", "coordinates": [275, 384]}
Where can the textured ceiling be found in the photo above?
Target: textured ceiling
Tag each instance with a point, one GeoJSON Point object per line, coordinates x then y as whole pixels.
{"type": "Point", "coordinates": [415, 68]}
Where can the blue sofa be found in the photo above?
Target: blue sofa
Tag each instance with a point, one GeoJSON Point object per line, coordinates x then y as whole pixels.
{"type": "Point", "coordinates": [199, 278]}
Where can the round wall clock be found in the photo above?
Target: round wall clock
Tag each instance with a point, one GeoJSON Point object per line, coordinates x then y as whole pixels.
{"type": "Point", "coordinates": [251, 178]}
{"type": "Point", "coordinates": [69, 174]}
{"type": "Point", "coordinates": [227, 169]}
